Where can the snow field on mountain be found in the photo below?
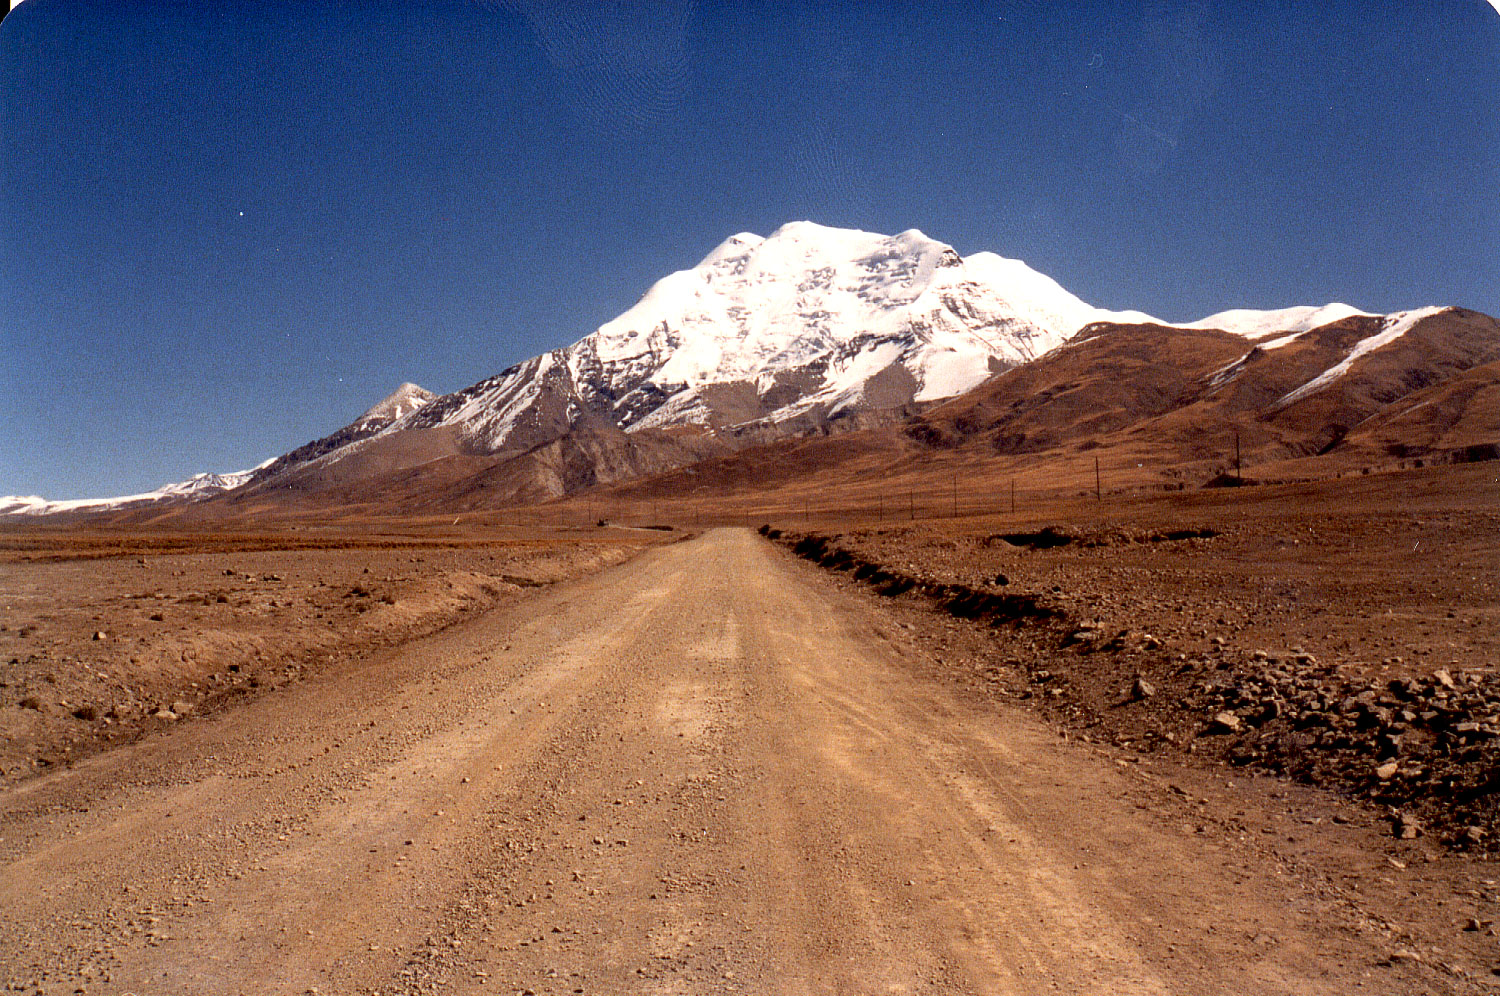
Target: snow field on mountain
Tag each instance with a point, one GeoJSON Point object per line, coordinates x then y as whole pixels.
{"type": "Point", "coordinates": [816, 311]}
{"type": "Point", "coordinates": [1394, 327]}
{"type": "Point", "coordinates": [1255, 324]}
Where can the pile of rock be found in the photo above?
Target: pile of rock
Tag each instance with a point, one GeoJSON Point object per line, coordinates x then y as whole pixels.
{"type": "Point", "coordinates": [1420, 745]}
{"type": "Point", "coordinates": [1052, 537]}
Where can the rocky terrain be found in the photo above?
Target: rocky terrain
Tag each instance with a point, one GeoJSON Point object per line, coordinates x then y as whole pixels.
{"type": "Point", "coordinates": [1343, 635]}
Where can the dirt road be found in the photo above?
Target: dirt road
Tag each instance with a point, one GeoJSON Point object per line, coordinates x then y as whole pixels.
{"type": "Point", "coordinates": [706, 770]}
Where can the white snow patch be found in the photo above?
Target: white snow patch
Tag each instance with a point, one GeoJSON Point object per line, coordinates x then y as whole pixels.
{"type": "Point", "coordinates": [1393, 327]}
{"type": "Point", "coordinates": [846, 379]}
{"type": "Point", "coordinates": [1253, 324]}
{"type": "Point", "coordinates": [1227, 372]}
{"type": "Point", "coordinates": [949, 372]}
{"type": "Point", "coordinates": [1279, 341]}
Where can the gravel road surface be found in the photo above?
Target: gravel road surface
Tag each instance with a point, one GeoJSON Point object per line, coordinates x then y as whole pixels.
{"type": "Point", "coordinates": [706, 770]}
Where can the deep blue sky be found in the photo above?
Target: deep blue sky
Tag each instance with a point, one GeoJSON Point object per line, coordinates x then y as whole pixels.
{"type": "Point", "coordinates": [228, 227]}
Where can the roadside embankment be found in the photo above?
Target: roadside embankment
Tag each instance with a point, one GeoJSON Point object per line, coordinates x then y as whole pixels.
{"type": "Point", "coordinates": [1235, 646]}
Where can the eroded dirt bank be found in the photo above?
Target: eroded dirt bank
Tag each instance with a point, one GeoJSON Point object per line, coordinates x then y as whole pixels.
{"type": "Point", "coordinates": [1344, 634]}
{"type": "Point", "coordinates": [707, 770]}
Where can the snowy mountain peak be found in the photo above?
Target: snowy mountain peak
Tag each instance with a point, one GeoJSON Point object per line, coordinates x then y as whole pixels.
{"type": "Point", "coordinates": [811, 321]}
{"type": "Point", "coordinates": [735, 245]}
{"type": "Point", "coordinates": [402, 401]}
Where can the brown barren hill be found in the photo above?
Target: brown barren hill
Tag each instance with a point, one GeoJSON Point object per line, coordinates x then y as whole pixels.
{"type": "Point", "coordinates": [1108, 378]}
{"type": "Point", "coordinates": [1182, 394]}
{"type": "Point", "coordinates": [1460, 416]}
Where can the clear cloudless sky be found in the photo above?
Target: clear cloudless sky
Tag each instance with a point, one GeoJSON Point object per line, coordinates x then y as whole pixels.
{"type": "Point", "coordinates": [228, 227]}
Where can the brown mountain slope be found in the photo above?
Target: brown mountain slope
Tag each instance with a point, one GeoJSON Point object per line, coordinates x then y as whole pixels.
{"type": "Point", "coordinates": [1451, 418]}
{"type": "Point", "coordinates": [1108, 378]}
{"type": "Point", "coordinates": [1435, 351]}
{"type": "Point", "coordinates": [426, 471]}
{"type": "Point", "coordinates": [577, 461]}
{"type": "Point", "coordinates": [1156, 406]}
{"type": "Point", "coordinates": [405, 399]}
{"type": "Point", "coordinates": [1183, 395]}
{"type": "Point", "coordinates": [1292, 401]}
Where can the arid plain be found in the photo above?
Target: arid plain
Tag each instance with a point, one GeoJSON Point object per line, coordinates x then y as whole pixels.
{"type": "Point", "coordinates": [1134, 743]}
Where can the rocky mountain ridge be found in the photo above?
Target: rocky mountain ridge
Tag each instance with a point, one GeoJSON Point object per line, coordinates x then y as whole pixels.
{"type": "Point", "coordinates": [808, 324]}
{"type": "Point", "coordinates": [812, 329]}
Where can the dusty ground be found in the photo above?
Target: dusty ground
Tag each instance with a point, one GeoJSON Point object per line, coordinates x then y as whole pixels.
{"type": "Point", "coordinates": [708, 769]}
{"type": "Point", "coordinates": [105, 635]}
{"type": "Point", "coordinates": [1345, 632]}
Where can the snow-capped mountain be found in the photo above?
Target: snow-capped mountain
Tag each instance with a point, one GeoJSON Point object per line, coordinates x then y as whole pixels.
{"type": "Point", "coordinates": [400, 403]}
{"type": "Point", "coordinates": [764, 336]}
{"type": "Point", "coordinates": [197, 487]}
{"type": "Point", "coordinates": [812, 320]}
{"type": "Point", "coordinates": [403, 401]}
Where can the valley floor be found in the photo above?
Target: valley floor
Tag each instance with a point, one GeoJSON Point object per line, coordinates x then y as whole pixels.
{"type": "Point", "coordinates": [706, 770]}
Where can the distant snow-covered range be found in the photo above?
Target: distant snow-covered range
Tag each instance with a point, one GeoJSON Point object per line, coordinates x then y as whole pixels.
{"type": "Point", "coordinates": [401, 402]}
{"type": "Point", "coordinates": [809, 323]}
{"type": "Point", "coordinates": [196, 487]}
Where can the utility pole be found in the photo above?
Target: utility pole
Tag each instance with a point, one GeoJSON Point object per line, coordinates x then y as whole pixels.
{"type": "Point", "coordinates": [1098, 489]}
